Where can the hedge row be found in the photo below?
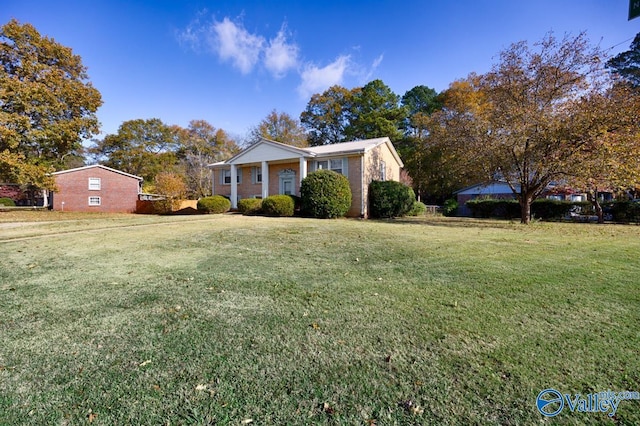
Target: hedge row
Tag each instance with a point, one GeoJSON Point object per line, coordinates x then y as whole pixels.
{"type": "Point", "coordinates": [510, 209]}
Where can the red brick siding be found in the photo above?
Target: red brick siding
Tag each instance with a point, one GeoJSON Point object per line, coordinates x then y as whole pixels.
{"type": "Point", "coordinates": [118, 193]}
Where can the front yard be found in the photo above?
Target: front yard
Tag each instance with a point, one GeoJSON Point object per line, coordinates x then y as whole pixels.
{"type": "Point", "coordinates": [225, 319]}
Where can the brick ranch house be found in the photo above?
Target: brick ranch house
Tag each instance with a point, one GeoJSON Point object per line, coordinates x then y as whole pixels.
{"type": "Point", "coordinates": [270, 168]}
{"type": "Point", "coordinates": [95, 188]}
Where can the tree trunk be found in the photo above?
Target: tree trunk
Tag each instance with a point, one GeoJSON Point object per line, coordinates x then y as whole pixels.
{"type": "Point", "coordinates": [525, 209]}
{"type": "Point", "coordinates": [596, 204]}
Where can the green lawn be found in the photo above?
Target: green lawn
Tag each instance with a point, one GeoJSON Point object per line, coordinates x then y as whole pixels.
{"type": "Point", "coordinates": [224, 319]}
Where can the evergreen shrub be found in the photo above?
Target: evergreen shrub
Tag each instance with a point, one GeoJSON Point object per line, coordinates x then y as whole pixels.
{"type": "Point", "coordinates": [450, 207]}
{"type": "Point", "coordinates": [250, 206]}
{"type": "Point", "coordinates": [325, 194]}
{"type": "Point", "coordinates": [216, 204]}
{"type": "Point", "coordinates": [7, 202]}
{"type": "Point", "coordinates": [418, 209]}
{"type": "Point", "coordinates": [390, 198]}
{"type": "Point", "coordinates": [278, 205]}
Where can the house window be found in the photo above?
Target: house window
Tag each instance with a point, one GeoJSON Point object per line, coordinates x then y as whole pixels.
{"type": "Point", "coordinates": [383, 170]}
{"type": "Point", "coordinates": [256, 175]}
{"type": "Point", "coordinates": [225, 176]}
{"type": "Point", "coordinates": [94, 201]}
{"type": "Point", "coordinates": [338, 165]}
{"type": "Point", "coordinates": [94, 184]}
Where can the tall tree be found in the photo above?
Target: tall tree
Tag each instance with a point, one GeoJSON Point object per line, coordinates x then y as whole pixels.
{"type": "Point", "coordinates": [527, 119]}
{"type": "Point", "coordinates": [279, 127]}
{"type": "Point", "coordinates": [141, 147]}
{"type": "Point", "coordinates": [421, 100]}
{"type": "Point", "coordinates": [200, 145]}
{"type": "Point", "coordinates": [424, 161]}
{"type": "Point", "coordinates": [610, 162]}
{"type": "Point", "coordinates": [627, 64]}
{"type": "Point", "coordinates": [47, 105]}
{"type": "Point", "coordinates": [327, 115]}
{"type": "Point", "coordinates": [375, 112]}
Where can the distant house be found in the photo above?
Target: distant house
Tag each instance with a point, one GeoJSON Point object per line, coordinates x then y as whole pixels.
{"type": "Point", "coordinates": [501, 190]}
{"type": "Point", "coordinates": [96, 188]}
{"type": "Point", "coordinates": [269, 168]}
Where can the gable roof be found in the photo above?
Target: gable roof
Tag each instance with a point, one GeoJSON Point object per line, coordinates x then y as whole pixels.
{"type": "Point", "coordinates": [284, 150]}
{"type": "Point", "coordinates": [97, 166]}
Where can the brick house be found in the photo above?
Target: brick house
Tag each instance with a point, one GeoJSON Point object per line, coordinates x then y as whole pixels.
{"type": "Point", "coordinates": [269, 168]}
{"type": "Point", "coordinates": [96, 188]}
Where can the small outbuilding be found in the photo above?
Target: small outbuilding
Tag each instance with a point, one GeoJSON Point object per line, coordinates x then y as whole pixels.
{"type": "Point", "coordinates": [96, 188]}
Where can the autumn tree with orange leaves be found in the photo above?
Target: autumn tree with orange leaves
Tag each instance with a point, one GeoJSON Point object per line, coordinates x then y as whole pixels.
{"type": "Point", "coordinates": [543, 114]}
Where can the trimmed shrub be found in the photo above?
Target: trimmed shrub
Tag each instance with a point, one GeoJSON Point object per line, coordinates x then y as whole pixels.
{"type": "Point", "coordinates": [7, 202]}
{"type": "Point", "coordinates": [278, 205]}
{"type": "Point", "coordinates": [450, 207]}
{"type": "Point", "coordinates": [418, 209]}
{"type": "Point", "coordinates": [249, 206]}
{"type": "Point", "coordinates": [325, 194]}
{"type": "Point", "coordinates": [492, 207]}
{"type": "Point", "coordinates": [546, 209]}
{"type": "Point", "coordinates": [390, 198]}
{"type": "Point", "coordinates": [216, 204]}
{"type": "Point", "coordinates": [625, 211]}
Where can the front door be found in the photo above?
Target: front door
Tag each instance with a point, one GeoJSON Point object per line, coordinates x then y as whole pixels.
{"type": "Point", "coordinates": [287, 182]}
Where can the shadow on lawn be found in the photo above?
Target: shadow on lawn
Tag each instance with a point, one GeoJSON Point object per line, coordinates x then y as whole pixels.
{"type": "Point", "coordinates": [454, 222]}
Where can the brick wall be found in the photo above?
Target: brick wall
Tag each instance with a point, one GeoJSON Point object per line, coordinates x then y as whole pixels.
{"type": "Point", "coordinates": [118, 193]}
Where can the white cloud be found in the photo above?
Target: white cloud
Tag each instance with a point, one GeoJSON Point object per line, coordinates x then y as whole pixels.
{"type": "Point", "coordinates": [280, 56]}
{"type": "Point", "coordinates": [315, 80]}
{"type": "Point", "coordinates": [232, 42]}
{"type": "Point", "coordinates": [377, 62]}
{"type": "Point", "coordinates": [374, 66]}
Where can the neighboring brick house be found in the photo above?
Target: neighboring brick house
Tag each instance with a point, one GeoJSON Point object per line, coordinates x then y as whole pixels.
{"type": "Point", "coordinates": [269, 168]}
{"type": "Point", "coordinates": [96, 189]}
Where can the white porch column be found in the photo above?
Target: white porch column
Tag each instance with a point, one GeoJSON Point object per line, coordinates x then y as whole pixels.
{"type": "Point", "coordinates": [303, 168]}
{"type": "Point", "coordinates": [264, 168]}
{"type": "Point", "coordinates": [234, 187]}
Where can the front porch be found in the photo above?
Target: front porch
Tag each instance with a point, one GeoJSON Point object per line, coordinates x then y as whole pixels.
{"type": "Point", "coordinates": [259, 180]}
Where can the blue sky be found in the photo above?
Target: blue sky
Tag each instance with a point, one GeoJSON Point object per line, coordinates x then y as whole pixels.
{"type": "Point", "coordinates": [232, 62]}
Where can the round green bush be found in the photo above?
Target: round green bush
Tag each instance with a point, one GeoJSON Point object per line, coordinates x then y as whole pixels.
{"type": "Point", "coordinates": [390, 198]}
{"type": "Point", "coordinates": [216, 204]}
{"type": "Point", "coordinates": [250, 206]}
{"type": "Point", "coordinates": [7, 202]}
{"type": "Point", "coordinates": [278, 205]}
{"type": "Point", "coordinates": [325, 194]}
{"type": "Point", "coordinates": [418, 209]}
{"type": "Point", "coordinates": [450, 207]}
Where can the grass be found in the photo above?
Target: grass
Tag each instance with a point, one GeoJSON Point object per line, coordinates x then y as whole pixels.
{"type": "Point", "coordinates": [224, 319]}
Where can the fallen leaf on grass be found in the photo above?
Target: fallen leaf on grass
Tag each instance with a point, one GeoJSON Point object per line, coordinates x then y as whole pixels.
{"type": "Point", "coordinates": [201, 387]}
{"type": "Point", "coordinates": [328, 409]}
{"type": "Point", "coordinates": [142, 364]}
{"type": "Point", "coordinates": [91, 416]}
{"type": "Point", "coordinates": [247, 421]}
{"type": "Point", "coordinates": [315, 326]}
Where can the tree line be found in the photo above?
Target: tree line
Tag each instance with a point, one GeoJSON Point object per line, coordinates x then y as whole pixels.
{"type": "Point", "coordinates": [558, 111]}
